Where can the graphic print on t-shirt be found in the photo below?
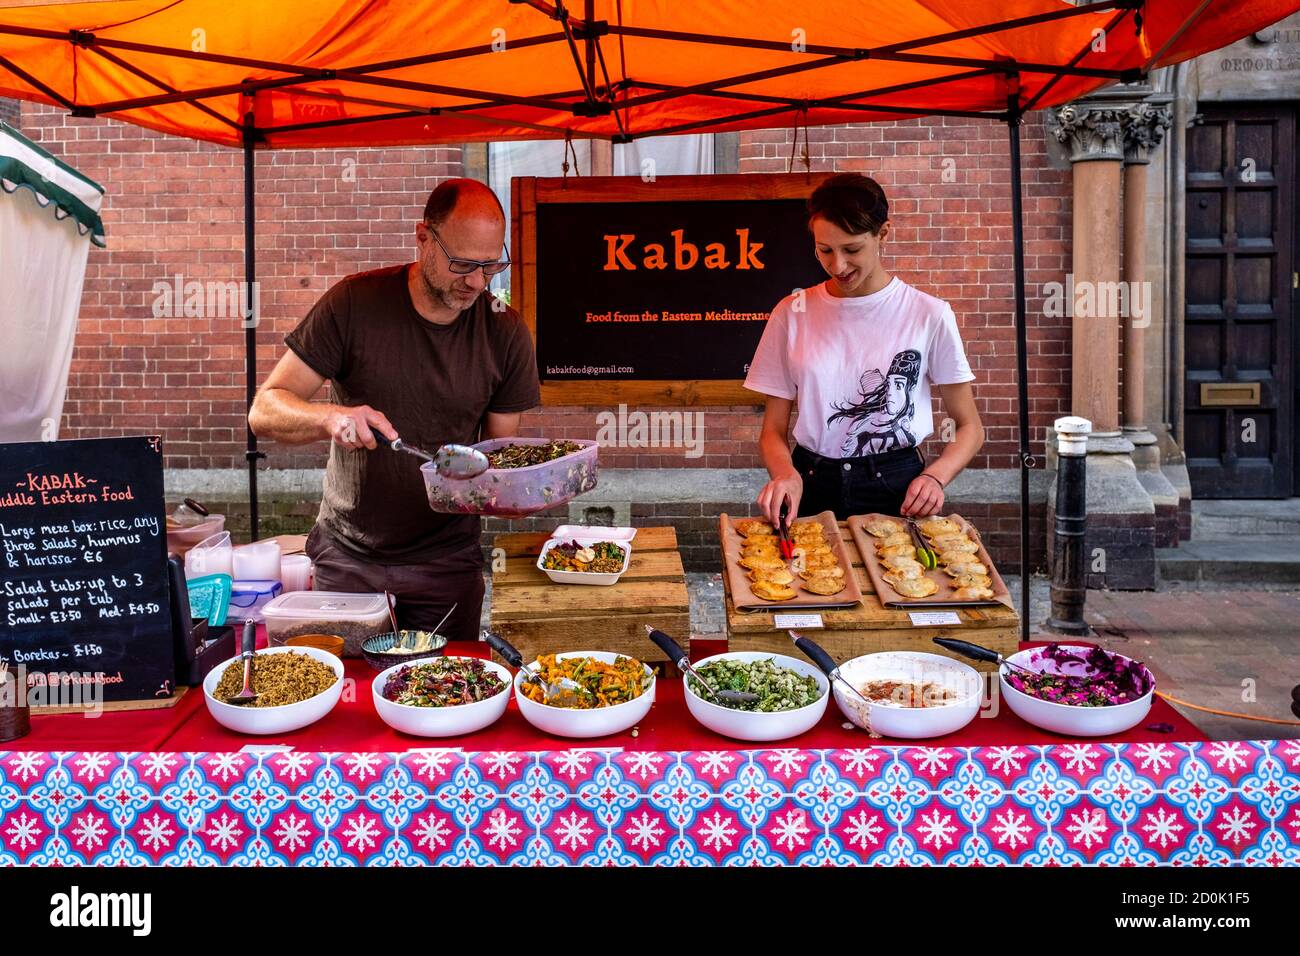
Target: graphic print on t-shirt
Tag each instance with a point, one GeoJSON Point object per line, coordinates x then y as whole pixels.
{"type": "Point", "coordinates": [880, 417]}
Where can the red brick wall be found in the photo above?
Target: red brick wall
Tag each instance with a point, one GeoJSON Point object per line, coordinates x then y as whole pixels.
{"type": "Point", "coordinates": [174, 206]}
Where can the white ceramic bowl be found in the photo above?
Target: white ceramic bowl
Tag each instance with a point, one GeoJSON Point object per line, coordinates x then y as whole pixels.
{"type": "Point", "coordinates": [440, 721]}
{"type": "Point", "coordinates": [596, 722]}
{"type": "Point", "coordinates": [753, 725]}
{"type": "Point", "coordinates": [275, 720]}
{"type": "Point", "coordinates": [910, 723]}
{"type": "Point", "coordinates": [1067, 718]}
{"type": "Point", "coordinates": [584, 577]}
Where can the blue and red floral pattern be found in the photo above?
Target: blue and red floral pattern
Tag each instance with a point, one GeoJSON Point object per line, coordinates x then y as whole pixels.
{"type": "Point", "coordinates": [1187, 804]}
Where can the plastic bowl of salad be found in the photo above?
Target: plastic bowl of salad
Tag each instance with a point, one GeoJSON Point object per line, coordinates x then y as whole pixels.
{"type": "Point", "coordinates": [1078, 690]}
{"type": "Point", "coordinates": [792, 695]}
{"type": "Point", "coordinates": [441, 696]}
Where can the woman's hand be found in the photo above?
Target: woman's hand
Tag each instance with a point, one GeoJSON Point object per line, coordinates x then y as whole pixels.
{"type": "Point", "coordinates": [787, 488]}
{"type": "Point", "coordinates": [924, 497]}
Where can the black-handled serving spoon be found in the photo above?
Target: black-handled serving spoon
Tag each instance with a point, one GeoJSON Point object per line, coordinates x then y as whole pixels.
{"type": "Point", "coordinates": [682, 660]}
{"type": "Point", "coordinates": [563, 693]}
{"type": "Point", "coordinates": [248, 647]}
{"type": "Point", "coordinates": [978, 652]}
{"type": "Point", "coordinates": [817, 654]}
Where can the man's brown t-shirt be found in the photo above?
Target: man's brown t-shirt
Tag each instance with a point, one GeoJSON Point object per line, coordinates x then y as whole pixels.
{"type": "Point", "coordinates": [434, 382]}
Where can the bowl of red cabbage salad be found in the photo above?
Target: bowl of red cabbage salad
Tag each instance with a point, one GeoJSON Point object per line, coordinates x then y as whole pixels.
{"type": "Point", "coordinates": [1081, 677]}
{"type": "Point", "coordinates": [443, 682]}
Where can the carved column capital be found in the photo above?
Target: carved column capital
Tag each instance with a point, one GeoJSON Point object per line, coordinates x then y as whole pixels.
{"type": "Point", "coordinates": [1093, 132]}
{"type": "Point", "coordinates": [1144, 129]}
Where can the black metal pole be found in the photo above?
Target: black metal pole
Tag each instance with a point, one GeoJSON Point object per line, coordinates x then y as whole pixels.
{"type": "Point", "coordinates": [1069, 576]}
{"type": "Point", "coordinates": [250, 303]}
{"type": "Point", "coordinates": [1022, 364]}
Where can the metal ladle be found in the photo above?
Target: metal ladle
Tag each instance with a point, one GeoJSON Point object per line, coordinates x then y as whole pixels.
{"type": "Point", "coordinates": [564, 692]}
{"type": "Point", "coordinates": [248, 647]}
{"type": "Point", "coordinates": [452, 460]}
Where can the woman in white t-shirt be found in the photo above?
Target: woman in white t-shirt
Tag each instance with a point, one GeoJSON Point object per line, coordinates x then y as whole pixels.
{"type": "Point", "coordinates": [859, 353]}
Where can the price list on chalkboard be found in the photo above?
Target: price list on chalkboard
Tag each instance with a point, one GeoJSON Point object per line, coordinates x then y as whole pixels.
{"type": "Point", "coordinates": [83, 577]}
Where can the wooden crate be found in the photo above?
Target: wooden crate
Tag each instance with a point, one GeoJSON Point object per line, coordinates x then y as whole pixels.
{"type": "Point", "coordinates": [539, 616]}
{"type": "Point", "coordinates": [870, 627]}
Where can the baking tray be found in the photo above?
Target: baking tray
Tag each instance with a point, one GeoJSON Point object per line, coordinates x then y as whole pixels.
{"type": "Point", "coordinates": [943, 597]}
{"type": "Point", "coordinates": [745, 599]}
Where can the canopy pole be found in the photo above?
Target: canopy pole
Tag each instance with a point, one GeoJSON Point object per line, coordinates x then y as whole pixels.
{"type": "Point", "coordinates": [250, 303]}
{"type": "Point", "coordinates": [1022, 365]}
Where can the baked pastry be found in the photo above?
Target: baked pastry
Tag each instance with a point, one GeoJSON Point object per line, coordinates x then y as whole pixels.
{"type": "Point", "coordinates": [807, 524]}
{"type": "Point", "coordinates": [895, 561]}
{"type": "Point", "coordinates": [898, 550]}
{"type": "Point", "coordinates": [972, 581]}
{"type": "Point", "coordinates": [936, 526]}
{"type": "Point", "coordinates": [973, 594]}
{"type": "Point", "coordinates": [945, 558]}
{"type": "Point", "coordinates": [756, 561]}
{"type": "Point", "coordinates": [765, 550]}
{"type": "Point", "coordinates": [889, 541]}
{"type": "Point", "coordinates": [754, 539]}
{"type": "Point", "coordinates": [956, 570]}
{"type": "Point", "coordinates": [808, 550]}
{"type": "Point", "coordinates": [955, 542]}
{"type": "Point", "coordinates": [880, 527]}
{"type": "Point", "coordinates": [812, 562]}
{"type": "Point", "coordinates": [753, 526]}
{"type": "Point", "coordinates": [824, 584]}
{"type": "Point", "coordinates": [780, 575]}
{"type": "Point", "coordinates": [771, 591]}
{"type": "Point", "coordinates": [835, 572]}
{"type": "Point", "coordinates": [912, 587]}
{"type": "Point", "coordinates": [913, 570]}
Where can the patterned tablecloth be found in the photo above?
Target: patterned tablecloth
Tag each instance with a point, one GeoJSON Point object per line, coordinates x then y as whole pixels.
{"type": "Point", "coordinates": [1135, 804]}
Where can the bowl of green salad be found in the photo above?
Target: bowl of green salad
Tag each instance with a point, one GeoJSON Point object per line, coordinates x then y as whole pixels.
{"type": "Point", "coordinates": [792, 695]}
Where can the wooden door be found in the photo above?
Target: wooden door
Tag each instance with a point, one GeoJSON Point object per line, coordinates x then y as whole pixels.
{"type": "Point", "coordinates": [1239, 381]}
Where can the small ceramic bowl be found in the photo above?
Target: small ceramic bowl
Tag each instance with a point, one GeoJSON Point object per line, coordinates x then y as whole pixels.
{"type": "Point", "coordinates": [330, 643]}
{"type": "Point", "coordinates": [378, 652]}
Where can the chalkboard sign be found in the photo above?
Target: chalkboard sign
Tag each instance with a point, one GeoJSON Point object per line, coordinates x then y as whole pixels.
{"type": "Point", "coordinates": [656, 291]}
{"type": "Point", "coordinates": [83, 587]}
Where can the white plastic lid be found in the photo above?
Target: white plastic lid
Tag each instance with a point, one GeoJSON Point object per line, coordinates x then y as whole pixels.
{"type": "Point", "coordinates": [594, 532]}
{"type": "Point", "coordinates": [326, 605]}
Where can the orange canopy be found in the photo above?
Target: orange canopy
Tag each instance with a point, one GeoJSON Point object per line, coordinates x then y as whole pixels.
{"type": "Point", "coordinates": [318, 73]}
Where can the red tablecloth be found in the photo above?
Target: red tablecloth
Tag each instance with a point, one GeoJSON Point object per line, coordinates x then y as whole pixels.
{"type": "Point", "coordinates": [354, 726]}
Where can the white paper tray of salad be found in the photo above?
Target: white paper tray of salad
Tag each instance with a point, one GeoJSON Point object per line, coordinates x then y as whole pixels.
{"type": "Point", "coordinates": [585, 558]}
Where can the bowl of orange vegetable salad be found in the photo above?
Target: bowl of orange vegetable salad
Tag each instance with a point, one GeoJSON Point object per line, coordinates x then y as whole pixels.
{"type": "Point", "coordinates": [618, 692]}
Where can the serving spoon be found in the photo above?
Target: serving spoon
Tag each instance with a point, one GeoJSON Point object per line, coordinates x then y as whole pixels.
{"type": "Point", "coordinates": [248, 647]}
{"type": "Point", "coordinates": [564, 692]}
{"type": "Point", "coordinates": [452, 460]}
{"type": "Point", "coordinates": [682, 660]}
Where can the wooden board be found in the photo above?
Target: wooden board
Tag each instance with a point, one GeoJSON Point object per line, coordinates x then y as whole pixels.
{"type": "Point", "coordinates": [161, 703]}
{"type": "Point", "coordinates": [871, 627]}
{"type": "Point", "coordinates": [941, 598]}
{"type": "Point", "coordinates": [744, 598]}
{"type": "Point", "coordinates": [539, 616]}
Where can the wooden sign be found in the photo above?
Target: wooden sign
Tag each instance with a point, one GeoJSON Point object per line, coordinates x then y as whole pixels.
{"type": "Point", "coordinates": [655, 292]}
{"type": "Point", "coordinates": [83, 580]}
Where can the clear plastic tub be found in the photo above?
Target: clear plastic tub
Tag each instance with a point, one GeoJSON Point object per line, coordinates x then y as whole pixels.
{"type": "Point", "coordinates": [248, 599]}
{"type": "Point", "coordinates": [353, 617]}
{"type": "Point", "coordinates": [183, 537]}
{"type": "Point", "coordinates": [514, 492]}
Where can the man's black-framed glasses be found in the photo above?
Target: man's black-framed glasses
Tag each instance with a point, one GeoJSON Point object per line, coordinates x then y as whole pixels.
{"type": "Point", "coordinates": [464, 267]}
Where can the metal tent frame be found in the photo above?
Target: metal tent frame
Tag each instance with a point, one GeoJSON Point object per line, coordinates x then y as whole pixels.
{"type": "Point", "coordinates": [599, 95]}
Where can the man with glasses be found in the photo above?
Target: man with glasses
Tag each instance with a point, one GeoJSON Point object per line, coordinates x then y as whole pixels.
{"type": "Point", "coordinates": [415, 351]}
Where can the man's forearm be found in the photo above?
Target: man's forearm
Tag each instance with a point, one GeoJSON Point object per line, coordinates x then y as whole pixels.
{"type": "Point", "coordinates": [281, 416]}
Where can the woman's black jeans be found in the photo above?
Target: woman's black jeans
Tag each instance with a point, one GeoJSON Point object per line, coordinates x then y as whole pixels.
{"type": "Point", "coordinates": [871, 484]}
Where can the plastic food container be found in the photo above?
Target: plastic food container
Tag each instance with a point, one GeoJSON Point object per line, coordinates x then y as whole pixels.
{"type": "Point", "coordinates": [353, 617]}
{"type": "Point", "coordinates": [514, 492]}
{"type": "Point", "coordinates": [212, 555]}
{"type": "Point", "coordinates": [295, 572]}
{"type": "Point", "coordinates": [248, 599]}
{"type": "Point", "coordinates": [259, 561]}
{"type": "Point", "coordinates": [183, 537]}
{"type": "Point", "coordinates": [603, 578]}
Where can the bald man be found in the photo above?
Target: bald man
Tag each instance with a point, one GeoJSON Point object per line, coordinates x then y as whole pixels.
{"type": "Point", "coordinates": [415, 351]}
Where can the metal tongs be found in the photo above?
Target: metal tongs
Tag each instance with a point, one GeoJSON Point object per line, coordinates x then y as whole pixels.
{"type": "Point", "coordinates": [783, 532]}
{"type": "Point", "coordinates": [682, 660]}
{"type": "Point", "coordinates": [561, 693]}
{"type": "Point", "coordinates": [452, 461]}
{"type": "Point", "coordinates": [924, 553]}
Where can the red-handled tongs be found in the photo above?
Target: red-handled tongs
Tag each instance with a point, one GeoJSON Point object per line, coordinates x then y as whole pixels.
{"type": "Point", "coordinates": [783, 533]}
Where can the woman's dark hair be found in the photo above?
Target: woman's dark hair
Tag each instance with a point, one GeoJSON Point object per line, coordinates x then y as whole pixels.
{"type": "Point", "coordinates": [851, 201]}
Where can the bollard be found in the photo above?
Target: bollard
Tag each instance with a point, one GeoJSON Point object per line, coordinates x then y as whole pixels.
{"type": "Point", "coordinates": [1069, 573]}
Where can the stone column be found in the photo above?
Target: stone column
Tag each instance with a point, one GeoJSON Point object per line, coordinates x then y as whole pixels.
{"type": "Point", "coordinates": [1094, 133]}
{"type": "Point", "coordinates": [1144, 124]}
{"type": "Point", "coordinates": [1120, 536]}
